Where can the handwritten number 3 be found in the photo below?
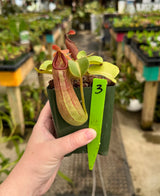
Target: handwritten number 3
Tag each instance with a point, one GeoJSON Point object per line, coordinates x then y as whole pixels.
{"type": "Point", "coordinates": [99, 88]}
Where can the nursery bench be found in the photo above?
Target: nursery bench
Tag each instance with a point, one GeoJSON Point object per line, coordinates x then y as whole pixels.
{"type": "Point", "coordinates": [12, 78]}
{"type": "Point", "coordinates": [15, 75]}
{"type": "Point", "coordinates": [151, 75]}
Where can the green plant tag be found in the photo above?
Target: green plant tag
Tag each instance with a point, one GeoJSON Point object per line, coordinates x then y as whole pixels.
{"type": "Point", "coordinates": [96, 117]}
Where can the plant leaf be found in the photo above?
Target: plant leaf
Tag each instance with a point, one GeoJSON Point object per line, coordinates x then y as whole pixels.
{"type": "Point", "coordinates": [83, 64]}
{"type": "Point", "coordinates": [62, 175]}
{"type": "Point", "coordinates": [95, 60]}
{"type": "Point", "coordinates": [81, 54]}
{"type": "Point", "coordinates": [46, 65]}
{"type": "Point", "coordinates": [6, 117]}
{"type": "Point", "coordinates": [1, 127]}
{"type": "Point", "coordinates": [107, 70]}
{"type": "Point", "coordinates": [8, 165]}
{"type": "Point", "coordinates": [74, 68]}
{"type": "Point", "coordinates": [78, 68]}
{"type": "Point", "coordinates": [2, 157]}
{"type": "Point", "coordinates": [43, 71]}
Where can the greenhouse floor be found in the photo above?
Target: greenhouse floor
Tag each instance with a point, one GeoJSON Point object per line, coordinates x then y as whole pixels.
{"type": "Point", "coordinates": [133, 162]}
{"type": "Point", "coordinates": [143, 153]}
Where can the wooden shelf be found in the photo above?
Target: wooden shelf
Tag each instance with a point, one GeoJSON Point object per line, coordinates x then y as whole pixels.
{"type": "Point", "coordinates": [151, 76]}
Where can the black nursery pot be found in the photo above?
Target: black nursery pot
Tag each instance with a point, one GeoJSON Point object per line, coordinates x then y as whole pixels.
{"type": "Point", "coordinates": [62, 128]}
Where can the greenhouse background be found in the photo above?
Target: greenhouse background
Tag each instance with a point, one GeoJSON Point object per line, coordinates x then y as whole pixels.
{"type": "Point", "coordinates": [123, 35]}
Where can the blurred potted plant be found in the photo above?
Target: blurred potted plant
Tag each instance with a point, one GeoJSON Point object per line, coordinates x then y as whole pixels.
{"type": "Point", "coordinates": [129, 92]}
{"type": "Point", "coordinates": [96, 11]}
{"type": "Point", "coordinates": [10, 54]}
{"type": "Point", "coordinates": [10, 9]}
{"type": "Point", "coordinates": [68, 113]}
{"type": "Point", "coordinates": [128, 37]}
{"type": "Point", "coordinates": [8, 137]}
{"type": "Point", "coordinates": [81, 19]}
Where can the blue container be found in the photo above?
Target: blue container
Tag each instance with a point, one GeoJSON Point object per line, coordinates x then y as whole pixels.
{"type": "Point", "coordinates": [49, 38]}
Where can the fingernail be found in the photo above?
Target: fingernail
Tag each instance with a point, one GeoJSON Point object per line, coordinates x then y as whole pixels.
{"type": "Point", "coordinates": [90, 134]}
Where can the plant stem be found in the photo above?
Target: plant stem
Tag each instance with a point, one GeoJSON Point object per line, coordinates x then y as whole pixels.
{"type": "Point", "coordinates": [82, 95]}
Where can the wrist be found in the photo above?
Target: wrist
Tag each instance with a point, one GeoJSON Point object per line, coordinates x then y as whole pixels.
{"type": "Point", "coordinates": [19, 182]}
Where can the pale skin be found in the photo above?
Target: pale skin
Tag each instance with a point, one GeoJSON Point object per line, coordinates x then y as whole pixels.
{"type": "Point", "coordinates": [35, 172]}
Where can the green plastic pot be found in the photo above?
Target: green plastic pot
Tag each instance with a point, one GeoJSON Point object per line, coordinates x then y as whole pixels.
{"type": "Point", "coordinates": [62, 128]}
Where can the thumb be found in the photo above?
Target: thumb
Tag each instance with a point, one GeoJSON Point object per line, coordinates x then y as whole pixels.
{"type": "Point", "coordinates": [69, 143]}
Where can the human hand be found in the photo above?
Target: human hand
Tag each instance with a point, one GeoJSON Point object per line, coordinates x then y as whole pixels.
{"type": "Point", "coordinates": [37, 169]}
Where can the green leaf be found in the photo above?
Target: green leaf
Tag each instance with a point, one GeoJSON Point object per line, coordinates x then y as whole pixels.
{"type": "Point", "coordinates": [81, 54]}
{"type": "Point", "coordinates": [43, 72]}
{"type": "Point", "coordinates": [6, 166]}
{"type": "Point", "coordinates": [78, 68]}
{"type": "Point", "coordinates": [6, 117]}
{"type": "Point", "coordinates": [1, 127]}
{"type": "Point", "coordinates": [95, 60]}
{"type": "Point", "coordinates": [107, 70]}
{"type": "Point", "coordinates": [74, 68]}
{"type": "Point", "coordinates": [83, 64]}
{"type": "Point", "coordinates": [46, 66]}
{"type": "Point", "coordinates": [2, 157]}
{"type": "Point", "coordinates": [62, 175]}
{"type": "Point", "coordinates": [10, 138]}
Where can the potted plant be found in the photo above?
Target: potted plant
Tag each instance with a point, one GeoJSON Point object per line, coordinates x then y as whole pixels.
{"type": "Point", "coordinates": [96, 11]}
{"type": "Point", "coordinates": [129, 92]}
{"type": "Point", "coordinates": [146, 45]}
{"type": "Point", "coordinates": [128, 37]}
{"type": "Point", "coordinates": [70, 72]}
{"type": "Point", "coordinates": [10, 54]}
{"type": "Point", "coordinates": [81, 19]}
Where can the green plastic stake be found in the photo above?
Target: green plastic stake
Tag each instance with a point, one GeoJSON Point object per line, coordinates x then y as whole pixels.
{"type": "Point", "coordinates": [96, 117]}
